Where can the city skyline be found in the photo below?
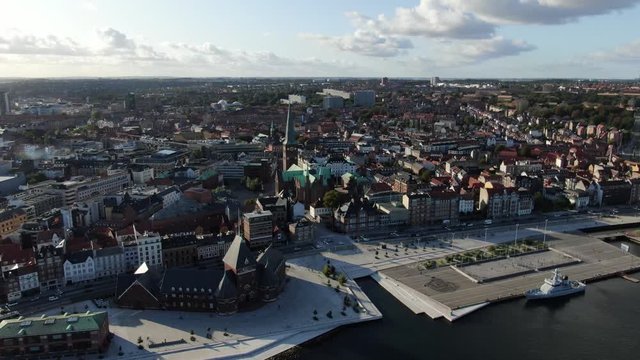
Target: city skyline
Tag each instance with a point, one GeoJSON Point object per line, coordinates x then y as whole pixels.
{"type": "Point", "coordinates": [446, 38]}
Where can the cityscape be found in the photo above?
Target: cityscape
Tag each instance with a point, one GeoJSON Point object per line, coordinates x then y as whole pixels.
{"type": "Point", "coordinates": [373, 181]}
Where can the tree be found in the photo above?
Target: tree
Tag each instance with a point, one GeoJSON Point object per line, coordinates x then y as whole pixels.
{"type": "Point", "coordinates": [342, 279]}
{"type": "Point", "coordinates": [332, 199]}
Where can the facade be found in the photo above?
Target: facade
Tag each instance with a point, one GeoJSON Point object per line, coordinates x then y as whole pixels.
{"type": "Point", "coordinates": [302, 231]}
{"type": "Point", "coordinates": [435, 207]}
{"type": "Point", "coordinates": [50, 269]}
{"type": "Point", "coordinates": [244, 281]}
{"type": "Point", "coordinates": [332, 102]}
{"type": "Point", "coordinates": [81, 188]}
{"type": "Point", "coordinates": [179, 250]}
{"type": "Point", "coordinates": [142, 174]}
{"type": "Point", "coordinates": [213, 247]}
{"type": "Point", "coordinates": [500, 202]}
{"type": "Point", "coordinates": [365, 98]}
{"type": "Point", "coordinates": [258, 228]}
{"type": "Point", "coordinates": [109, 261]}
{"type": "Point", "coordinates": [79, 266]}
{"type": "Point", "coordinates": [59, 334]}
{"type": "Point", "coordinates": [356, 216]}
{"type": "Point", "coordinates": [141, 248]}
{"type": "Point", "coordinates": [11, 220]}
{"type": "Point", "coordinates": [277, 205]}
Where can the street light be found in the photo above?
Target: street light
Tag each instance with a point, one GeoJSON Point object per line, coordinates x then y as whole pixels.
{"type": "Point", "coordinates": [544, 237]}
{"type": "Point", "coordinates": [515, 240]}
{"type": "Point", "coordinates": [485, 234]}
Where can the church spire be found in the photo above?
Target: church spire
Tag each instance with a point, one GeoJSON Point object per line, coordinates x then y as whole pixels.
{"type": "Point", "coordinates": [290, 137]}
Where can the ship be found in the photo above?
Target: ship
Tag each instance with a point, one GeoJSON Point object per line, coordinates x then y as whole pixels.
{"type": "Point", "coordinates": [556, 286]}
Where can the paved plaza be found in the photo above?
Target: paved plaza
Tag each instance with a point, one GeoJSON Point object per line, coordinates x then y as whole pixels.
{"type": "Point", "coordinates": [517, 265]}
{"type": "Point", "coordinates": [448, 290]}
{"type": "Point", "coordinates": [257, 334]}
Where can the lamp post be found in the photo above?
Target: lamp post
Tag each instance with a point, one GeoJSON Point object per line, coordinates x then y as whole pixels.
{"type": "Point", "coordinates": [544, 237]}
{"type": "Point", "coordinates": [515, 240]}
{"type": "Point", "coordinates": [485, 234]}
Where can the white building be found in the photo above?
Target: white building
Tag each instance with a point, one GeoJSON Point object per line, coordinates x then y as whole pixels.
{"type": "Point", "coordinates": [169, 196]}
{"type": "Point", "coordinates": [141, 248]}
{"type": "Point", "coordinates": [109, 261]}
{"type": "Point", "coordinates": [466, 206]}
{"type": "Point", "coordinates": [29, 281]}
{"type": "Point", "coordinates": [142, 175]}
{"type": "Point", "coordinates": [79, 267]}
{"type": "Point", "coordinates": [80, 188]}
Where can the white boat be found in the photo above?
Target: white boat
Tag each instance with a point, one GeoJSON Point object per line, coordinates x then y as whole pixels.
{"type": "Point", "coordinates": [556, 286]}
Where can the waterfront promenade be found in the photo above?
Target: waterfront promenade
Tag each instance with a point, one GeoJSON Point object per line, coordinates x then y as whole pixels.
{"type": "Point", "coordinates": [451, 292]}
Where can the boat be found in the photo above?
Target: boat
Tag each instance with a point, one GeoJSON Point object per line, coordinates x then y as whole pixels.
{"type": "Point", "coordinates": [556, 286]}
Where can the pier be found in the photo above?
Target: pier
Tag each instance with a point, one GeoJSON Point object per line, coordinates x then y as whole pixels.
{"type": "Point", "coordinates": [445, 292]}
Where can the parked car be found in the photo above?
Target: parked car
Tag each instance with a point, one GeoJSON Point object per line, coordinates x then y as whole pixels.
{"type": "Point", "coordinates": [53, 298]}
{"type": "Point", "coordinates": [12, 304]}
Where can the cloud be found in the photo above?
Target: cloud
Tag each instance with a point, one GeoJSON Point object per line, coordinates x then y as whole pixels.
{"type": "Point", "coordinates": [539, 11]}
{"type": "Point", "coordinates": [365, 42]}
{"type": "Point", "coordinates": [485, 49]}
{"type": "Point", "coordinates": [435, 19]}
{"type": "Point", "coordinates": [116, 40]}
{"type": "Point", "coordinates": [627, 53]}
{"type": "Point", "coordinates": [34, 45]}
{"type": "Point", "coordinates": [457, 22]}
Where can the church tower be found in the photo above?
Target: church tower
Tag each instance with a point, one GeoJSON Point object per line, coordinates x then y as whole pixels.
{"type": "Point", "coordinates": [290, 144]}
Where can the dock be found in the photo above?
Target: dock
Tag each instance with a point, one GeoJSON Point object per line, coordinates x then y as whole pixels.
{"type": "Point", "coordinates": [630, 278]}
{"type": "Point", "coordinates": [446, 290]}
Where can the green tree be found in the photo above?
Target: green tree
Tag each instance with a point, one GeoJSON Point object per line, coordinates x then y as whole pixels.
{"type": "Point", "coordinates": [332, 199]}
{"type": "Point", "coordinates": [342, 279]}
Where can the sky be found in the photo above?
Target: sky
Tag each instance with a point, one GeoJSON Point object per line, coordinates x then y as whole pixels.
{"type": "Point", "coordinates": [328, 38]}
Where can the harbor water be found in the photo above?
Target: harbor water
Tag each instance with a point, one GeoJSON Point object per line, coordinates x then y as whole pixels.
{"type": "Point", "coordinates": [601, 324]}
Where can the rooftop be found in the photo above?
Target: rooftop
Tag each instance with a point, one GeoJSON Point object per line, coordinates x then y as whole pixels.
{"type": "Point", "coordinates": [46, 325]}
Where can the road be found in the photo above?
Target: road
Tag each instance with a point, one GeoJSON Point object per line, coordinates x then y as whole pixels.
{"type": "Point", "coordinates": [71, 294]}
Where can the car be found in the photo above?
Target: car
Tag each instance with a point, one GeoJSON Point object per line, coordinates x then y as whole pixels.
{"type": "Point", "coordinates": [12, 304]}
{"type": "Point", "coordinates": [35, 299]}
{"type": "Point", "coordinates": [53, 298]}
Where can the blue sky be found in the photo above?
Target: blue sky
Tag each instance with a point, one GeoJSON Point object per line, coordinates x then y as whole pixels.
{"type": "Point", "coordinates": [419, 38]}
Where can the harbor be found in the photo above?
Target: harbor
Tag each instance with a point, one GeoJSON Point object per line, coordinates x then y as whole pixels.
{"type": "Point", "coordinates": [450, 292]}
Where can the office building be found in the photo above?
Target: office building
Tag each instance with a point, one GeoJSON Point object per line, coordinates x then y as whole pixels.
{"type": "Point", "coordinates": [258, 228]}
{"type": "Point", "coordinates": [364, 98]}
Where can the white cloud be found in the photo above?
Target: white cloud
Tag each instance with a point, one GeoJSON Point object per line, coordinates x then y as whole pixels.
{"type": "Point", "coordinates": [626, 53]}
{"type": "Point", "coordinates": [457, 22]}
{"type": "Point", "coordinates": [34, 45]}
{"type": "Point", "coordinates": [539, 11]}
{"type": "Point", "coordinates": [115, 48]}
{"type": "Point", "coordinates": [485, 49]}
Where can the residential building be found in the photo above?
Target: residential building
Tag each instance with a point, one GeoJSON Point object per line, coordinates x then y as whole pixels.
{"type": "Point", "coordinates": [302, 231]}
{"type": "Point", "coordinates": [67, 334]}
{"type": "Point", "coordinates": [434, 207]}
{"type": "Point", "coordinates": [50, 269]}
{"type": "Point", "coordinates": [499, 202]}
{"type": "Point", "coordinates": [11, 220]}
{"type": "Point", "coordinates": [141, 248]}
{"type": "Point", "coordinates": [179, 249]}
{"type": "Point", "coordinates": [109, 261]}
{"type": "Point", "coordinates": [79, 266]}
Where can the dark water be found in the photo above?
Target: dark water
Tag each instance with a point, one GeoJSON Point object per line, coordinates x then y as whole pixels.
{"type": "Point", "coordinates": [634, 248]}
{"type": "Point", "coordinates": [602, 324]}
